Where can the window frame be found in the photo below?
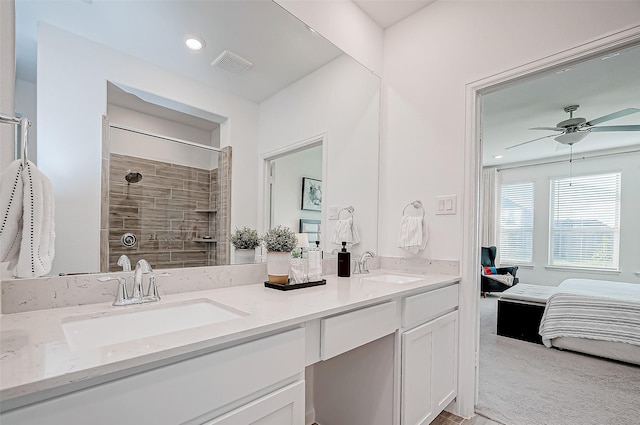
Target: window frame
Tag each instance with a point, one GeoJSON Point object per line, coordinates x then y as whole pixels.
{"type": "Point", "coordinates": [615, 267]}
{"type": "Point", "coordinates": [530, 230]}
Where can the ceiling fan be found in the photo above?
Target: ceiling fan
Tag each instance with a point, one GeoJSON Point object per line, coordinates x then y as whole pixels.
{"type": "Point", "coordinates": [575, 129]}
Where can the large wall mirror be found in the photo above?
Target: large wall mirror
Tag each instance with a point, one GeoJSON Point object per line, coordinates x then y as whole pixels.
{"type": "Point", "coordinates": [114, 94]}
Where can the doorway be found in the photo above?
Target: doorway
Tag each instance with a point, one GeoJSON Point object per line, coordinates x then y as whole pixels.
{"type": "Point", "coordinates": [478, 143]}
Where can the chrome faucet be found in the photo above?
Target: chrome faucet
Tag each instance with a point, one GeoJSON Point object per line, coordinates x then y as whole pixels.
{"type": "Point", "coordinates": [125, 263]}
{"type": "Point", "coordinates": [361, 264]}
{"type": "Point", "coordinates": [138, 296]}
{"type": "Point", "coordinates": [142, 267]}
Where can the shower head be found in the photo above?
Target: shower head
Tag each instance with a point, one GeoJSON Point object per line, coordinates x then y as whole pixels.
{"type": "Point", "coordinates": [133, 176]}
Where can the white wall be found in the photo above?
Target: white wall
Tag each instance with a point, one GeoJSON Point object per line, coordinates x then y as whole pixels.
{"type": "Point", "coordinates": [143, 146]}
{"type": "Point", "coordinates": [340, 99]}
{"type": "Point", "coordinates": [25, 98]}
{"type": "Point", "coordinates": [629, 166]}
{"type": "Point", "coordinates": [7, 77]}
{"type": "Point", "coordinates": [72, 97]}
{"type": "Point", "coordinates": [287, 186]}
{"type": "Point", "coordinates": [429, 58]}
{"type": "Point", "coordinates": [345, 25]}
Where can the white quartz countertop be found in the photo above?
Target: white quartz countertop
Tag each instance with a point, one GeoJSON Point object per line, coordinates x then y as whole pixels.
{"type": "Point", "coordinates": [35, 356]}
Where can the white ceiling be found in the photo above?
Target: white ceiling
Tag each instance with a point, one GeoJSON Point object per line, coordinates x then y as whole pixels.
{"type": "Point", "coordinates": [599, 86]}
{"type": "Point", "coordinates": [388, 12]}
{"type": "Point", "coordinates": [281, 47]}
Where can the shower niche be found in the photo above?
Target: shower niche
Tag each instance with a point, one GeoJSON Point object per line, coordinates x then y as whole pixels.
{"type": "Point", "coordinates": [166, 187]}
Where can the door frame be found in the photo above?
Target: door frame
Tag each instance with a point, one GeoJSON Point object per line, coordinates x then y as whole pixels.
{"type": "Point", "coordinates": [468, 376]}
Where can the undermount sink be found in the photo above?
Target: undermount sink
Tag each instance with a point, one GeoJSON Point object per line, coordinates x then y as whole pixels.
{"type": "Point", "coordinates": [130, 324]}
{"type": "Point", "coordinates": [393, 278]}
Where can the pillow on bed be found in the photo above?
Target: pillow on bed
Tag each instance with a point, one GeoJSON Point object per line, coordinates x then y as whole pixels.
{"type": "Point", "coordinates": [490, 270]}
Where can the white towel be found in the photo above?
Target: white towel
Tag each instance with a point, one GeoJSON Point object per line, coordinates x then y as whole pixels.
{"type": "Point", "coordinates": [413, 234]}
{"type": "Point", "coordinates": [27, 237]}
{"type": "Point", "coordinates": [345, 231]}
{"type": "Point", "coordinates": [11, 221]}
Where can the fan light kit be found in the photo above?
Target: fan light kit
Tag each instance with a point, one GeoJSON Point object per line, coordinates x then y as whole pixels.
{"type": "Point", "coordinates": [574, 130]}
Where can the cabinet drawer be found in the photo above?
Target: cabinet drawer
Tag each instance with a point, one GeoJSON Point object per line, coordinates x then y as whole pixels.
{"type": "Point", "coordinates": [178, 392]}
{"type": "Point", "coordinates": [429, 305]}
{"type": "Point", "coordinates": [339, 334]}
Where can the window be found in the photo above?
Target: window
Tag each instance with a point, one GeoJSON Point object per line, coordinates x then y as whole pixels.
{"type": "Point", "coordinates": [516, 223]}
{"type": "Point", "coordinates": [584, 221]}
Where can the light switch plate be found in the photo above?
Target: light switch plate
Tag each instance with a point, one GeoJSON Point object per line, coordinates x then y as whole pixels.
{"type": "Point", "coordinates": [447, 204]}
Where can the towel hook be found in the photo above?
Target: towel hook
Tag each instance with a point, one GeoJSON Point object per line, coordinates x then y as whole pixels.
{"type": "Point", "coordinates": [349, 209]}
{"type": "Point", "coordinates": [415, 204]}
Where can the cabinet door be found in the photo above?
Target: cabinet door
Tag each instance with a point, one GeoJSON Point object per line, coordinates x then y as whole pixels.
{"type": "Point", "coordinates": [282, 407]}
{"type": "Point", "coordinates": [429, 369]}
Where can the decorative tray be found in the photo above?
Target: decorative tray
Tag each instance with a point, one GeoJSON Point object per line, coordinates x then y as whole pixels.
{"type": "Point", "coordinates": [291, 286]}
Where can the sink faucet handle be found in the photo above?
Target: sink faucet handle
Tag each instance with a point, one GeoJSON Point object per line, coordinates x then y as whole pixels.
{"type": "Point", "coordinates": [121, 293]}
{"type": "Point", "coordinates": [152, 290]}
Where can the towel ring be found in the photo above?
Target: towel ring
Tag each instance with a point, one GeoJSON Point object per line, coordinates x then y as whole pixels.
{"type": "Point", "coordinates": [415, 204]}
{"type": "Point", "coordinates": [348, 209]}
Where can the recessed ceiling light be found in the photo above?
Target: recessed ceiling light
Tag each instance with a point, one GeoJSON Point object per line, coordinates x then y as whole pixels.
{"type": "Point", "coordinates": [498, 156]}
{"type": "Point", "coordinates": [194, 42]}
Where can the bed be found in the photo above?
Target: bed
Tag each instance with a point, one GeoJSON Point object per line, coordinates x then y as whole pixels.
{"type": "Point", "coordinates": [596, 317]}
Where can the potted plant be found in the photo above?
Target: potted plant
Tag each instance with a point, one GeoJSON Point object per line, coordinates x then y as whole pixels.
{"type": "Point", "coordinates": [279, 241]}
{"type": "Point", "coordinates": [245, 241]}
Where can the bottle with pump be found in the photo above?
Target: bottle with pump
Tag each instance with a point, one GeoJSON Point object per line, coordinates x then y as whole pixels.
{"type": "Point", "coordinates": [315, 263]}
{"type": "Point", "coordinates": [344, 262]}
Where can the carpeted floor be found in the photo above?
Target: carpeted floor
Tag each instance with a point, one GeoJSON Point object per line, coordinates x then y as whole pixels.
{"type": "Point", "coordinates": [522, 383]}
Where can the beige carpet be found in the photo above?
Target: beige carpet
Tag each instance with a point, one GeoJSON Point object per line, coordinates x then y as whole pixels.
{"type": "Point", "coordinates": [522, 383]}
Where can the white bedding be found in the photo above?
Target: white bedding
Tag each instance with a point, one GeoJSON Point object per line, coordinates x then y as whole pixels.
{"type": "Point", "coordinates": [595, 311]}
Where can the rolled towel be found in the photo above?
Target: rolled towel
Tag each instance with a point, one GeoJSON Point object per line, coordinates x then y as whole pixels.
{"type": "Point", "coordinates": [345, 231]}
{"type": "Point", "coordinates": [413, 234]}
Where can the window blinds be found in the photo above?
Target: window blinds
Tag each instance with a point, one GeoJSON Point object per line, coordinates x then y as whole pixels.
{"type": "Point", "coordinates": [516, 223]}
{"type": "Point", "coordinates": [584, 221]}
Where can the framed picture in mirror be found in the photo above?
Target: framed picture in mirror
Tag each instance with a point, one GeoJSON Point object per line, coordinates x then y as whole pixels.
{"type": "Point", "coordinates": [311, 228]}
{"type": "Point", "coordinates": [311, 194]}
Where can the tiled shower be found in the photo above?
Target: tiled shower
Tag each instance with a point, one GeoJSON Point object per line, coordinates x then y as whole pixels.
{"type": "Point", "coordinates": [178, 215]}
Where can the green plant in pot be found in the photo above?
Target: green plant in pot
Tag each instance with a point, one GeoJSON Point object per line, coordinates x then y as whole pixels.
{"type": "Point", "coordinates": [245, 241]}
{"type": "Point", "coordinates": [279, 241]}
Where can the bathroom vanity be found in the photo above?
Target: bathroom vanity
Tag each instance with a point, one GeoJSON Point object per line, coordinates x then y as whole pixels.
{"type": "Point", "coordinates": [370, 349]}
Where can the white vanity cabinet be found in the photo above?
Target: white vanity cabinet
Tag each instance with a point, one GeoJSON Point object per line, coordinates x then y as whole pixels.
{"type": "Point", "coordinates": [260, 379]}
{"type": "Point", "coordinates": [429, 355]}
{"type": "Point", "coordinates": [281, 407]}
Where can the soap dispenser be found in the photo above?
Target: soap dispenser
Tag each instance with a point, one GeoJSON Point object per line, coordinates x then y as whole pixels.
{"type": "Point", "coordinates": [315, 263]}
{"type": "Point", "coordinates": [344, 262]}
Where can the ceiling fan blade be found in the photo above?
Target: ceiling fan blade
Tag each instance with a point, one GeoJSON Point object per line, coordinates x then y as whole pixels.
{"type": "Point", "coordinates": [547, 128]}
{"type": "Point", "coordinates": [622, 113]}
{"type": "Point", "coordinates": [616, 128]}
{"type": "Point", "coordinates": [539, 138]}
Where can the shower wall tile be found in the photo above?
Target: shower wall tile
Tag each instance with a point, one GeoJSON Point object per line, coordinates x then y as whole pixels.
{"type": "Point", "coordinates": [160, 211]}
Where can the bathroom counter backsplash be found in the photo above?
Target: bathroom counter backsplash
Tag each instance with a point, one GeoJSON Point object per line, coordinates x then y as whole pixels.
{"type": "Point", "coordinates": [23, 295]}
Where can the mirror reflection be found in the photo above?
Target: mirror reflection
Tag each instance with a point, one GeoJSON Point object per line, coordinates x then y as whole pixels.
{"type": "Point", "coordinates": [118, 91]}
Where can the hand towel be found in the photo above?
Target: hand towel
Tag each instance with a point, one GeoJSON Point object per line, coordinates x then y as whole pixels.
{"type": "Point", "coordinates": [37, 247]}
{"type": "Point", "coordinates": [27, 236]}
{"type": "Point", "coordinates": [345, 231]}
{"type": "Point", "coordinates": [413, 234]}
{"type": "Point", "coordinates": [11, 197]}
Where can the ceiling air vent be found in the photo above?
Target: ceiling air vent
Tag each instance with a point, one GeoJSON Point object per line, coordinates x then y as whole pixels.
{"type": "Point", "coordinates": [231, 62]}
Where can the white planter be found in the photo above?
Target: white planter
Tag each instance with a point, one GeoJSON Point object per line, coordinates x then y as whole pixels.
{"type": "Point", "coordinates": [278, 266]}
{"type": "Point", "coordinates": [244, 256]}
